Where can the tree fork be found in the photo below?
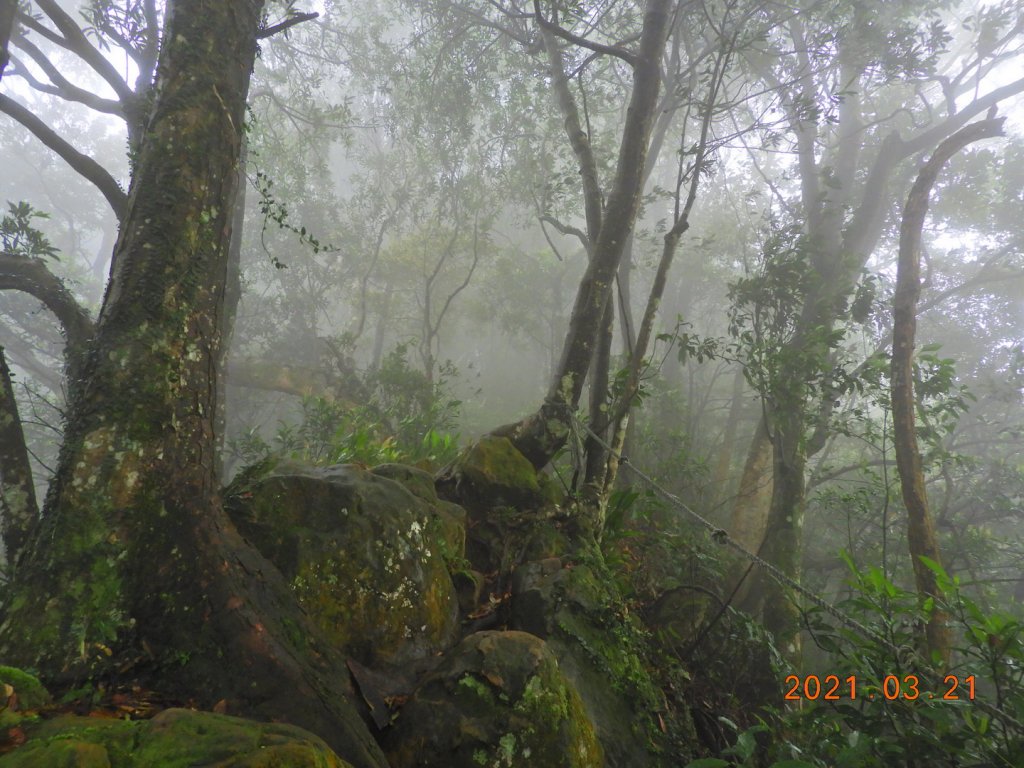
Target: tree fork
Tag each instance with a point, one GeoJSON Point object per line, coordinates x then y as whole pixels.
{"type": "Point", "coordinates": [540, 435]}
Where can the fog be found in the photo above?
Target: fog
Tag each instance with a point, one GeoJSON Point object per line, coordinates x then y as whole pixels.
{"type": "Point", "coordinates": [423, 190]}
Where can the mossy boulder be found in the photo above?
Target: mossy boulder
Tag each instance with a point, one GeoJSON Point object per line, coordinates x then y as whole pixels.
{"type": "Point", "coordinates": [600, 648]}
{"type": "Point", "coordinates": [365, 556]}
{"type": "Point", "coordinates": [493, 472]}
{"type": "Point", "coordinates": [175, 738]}
{"type": "Point", "coordinates": [497, 699]}
{"type": "Point", "coordinates": [450, 518]}
{"type": "Point", "coordinates": [27, 692]}
{"type": "Point", "coordinates": [20, 695]}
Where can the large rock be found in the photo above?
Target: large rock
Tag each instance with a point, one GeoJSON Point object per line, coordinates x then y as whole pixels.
{"type": "Point", "coordinates": [175, 738]}
{"type": "Point", "coordinates": [600, 649]}
{"type": "Point", "coordinates": [515, 512]}
{"type": "Point", "coordinates": [498, 700]}
{"type": "Point", "coordinates": [365, 555]}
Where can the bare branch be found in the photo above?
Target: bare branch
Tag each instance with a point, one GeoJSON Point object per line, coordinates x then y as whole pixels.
{"type": "Point", "coordinates": [462, 286]}
{"type": "Point", "coordinates": [60, 85]}
{"type": "Point", "coordinates": [31, 23]}
{"type": "Point", "coordinates": [8, 10]}
{"type": "Point", "coordinates": [578, 138]}
{"type": "Point", "coordinates": [565, 229]}
{"type": "Point", "coordinates": [76, 40]}
{"type": "Point", "coordinates": [288, 23]}
{"type": "Point", "coordinates": [33, 277]}
{"type": "Point", "coordinates": [609, 50]}
{"type": "Point", "coordinates": [83, 164]}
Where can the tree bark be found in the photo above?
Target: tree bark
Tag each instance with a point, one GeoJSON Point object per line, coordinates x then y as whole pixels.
{"type": "Point", "coordinates": [18, 507]}
{"type": "Point", "coordinates": [921, 529]}
{"type": "Point", "coordinates": [8, 10]}
{"type": "Point", "coordinates": [135, 570]}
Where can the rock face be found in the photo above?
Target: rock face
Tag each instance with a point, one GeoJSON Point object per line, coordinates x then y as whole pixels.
{"type": "Point", "coordinates": [175, 738]}
{"type": "Point", "coordinates": [570, 605]}
{"type": "Point", "coordinates": [552, 583]}
{"type": "Point", "coordinates": [366, 554]}
{"type": "Point", "coordinates": [497, 700]}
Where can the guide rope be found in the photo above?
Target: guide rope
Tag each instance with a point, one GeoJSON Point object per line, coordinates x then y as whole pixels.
{"type": "Point", "coordinates": [722, 537]}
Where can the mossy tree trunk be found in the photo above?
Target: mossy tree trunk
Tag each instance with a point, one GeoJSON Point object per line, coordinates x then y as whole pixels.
{"type": "Point", "coordinates": [134, 571]}
{"type": "Point", "coordinates": [18, 506]}
{"type": "Point", "coordinates": [921, 536]}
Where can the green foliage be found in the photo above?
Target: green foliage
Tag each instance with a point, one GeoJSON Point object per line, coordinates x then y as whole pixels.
{"type": "Point", "coordinates": [19, 238]}
{"type": "Point", "coordinates": [408, 419]}
{"type": "Point", "coordinates": [904, 711]}
{"type": "Point", "coordinates": [275, 211]}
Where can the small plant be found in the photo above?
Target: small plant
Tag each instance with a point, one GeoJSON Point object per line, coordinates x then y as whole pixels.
{"type": "Point", "coordinates": [19, 238]}
{"type": "Point", "coordinates": [407, 419]}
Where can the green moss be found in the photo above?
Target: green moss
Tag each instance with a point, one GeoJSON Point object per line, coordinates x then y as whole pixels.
{"type": "Point", "coordinates": [176, 738]}
{"type": "Point", "coordinates": [365, 557]}
{"type": "Point", "coordinates": [493, 466]}
{"type": "Point", "coordinates": [30, 692]}
{"type": "Point", "coordinates": [498, 700]}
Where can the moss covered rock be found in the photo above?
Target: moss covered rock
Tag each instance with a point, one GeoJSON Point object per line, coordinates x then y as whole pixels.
{"type": "Point", "coordinates": [450, 519]}
{"type": "Point", "coordinates": [20, 695]}
{"type": "Point", "coordinates": [365, 556]}
{"type": "Point", "coordinates": [175, 738]}
{"type": "Point", "coordinates": [601, 650]}
{"type": "Point", "coordinates": [492, 471]}
{"type": "Point", "coordinates": [497, 699]}
{"type": "Point", "coordinates": [27, 692]}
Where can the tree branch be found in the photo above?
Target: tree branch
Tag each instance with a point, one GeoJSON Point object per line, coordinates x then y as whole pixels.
{"type": "Point", "coordinates": [565, 229]}
{"type": "Point", "coordinates": [590, 45]}
{"type": "Point", "coordinates": [76, 40]}
{"type": "Point", "coordinates": [578, 138]}
{"type": "Point", "coordinates": [8, 10]}
{"type": "Point", "coordinates": [31, 23]}
{"type": "Point", "coordinates": [60, 85]}
{"type": "Point", "coordinates": [34, 278]}
{"type": "Point", "coordinates": [288, 23]}
{"type": "Point", "coordinates": [83, 164]}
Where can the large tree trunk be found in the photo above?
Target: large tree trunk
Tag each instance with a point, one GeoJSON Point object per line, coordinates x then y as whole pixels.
{"type": "Point", "coordinates": [921, 530]}
{"type": "Point", "coordinates": [135, 570]}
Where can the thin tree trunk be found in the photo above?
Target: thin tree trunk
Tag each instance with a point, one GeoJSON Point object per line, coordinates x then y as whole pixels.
{"type": "Point", "coordinates": [750, 510]}
{"type": "Point", "coordinates": [723, 463]}
{"type": "Point", "coordinates": [539, 436]}
{"type": "Point", "coordinates": [921, 529]}
{"type": "Point", "coordinates": [783, 539]}
{"type": "Point", "coordinates": [596, 467]}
